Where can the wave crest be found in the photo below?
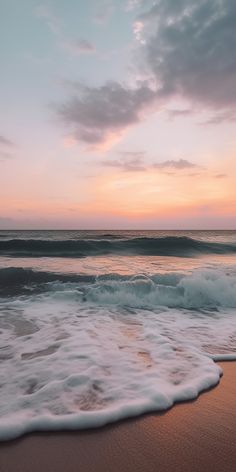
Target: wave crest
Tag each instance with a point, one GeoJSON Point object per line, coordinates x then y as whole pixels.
{"type": "Point", "coordinates": [163, 246]}
{"type": "Point", "coordinates": [202, 289]}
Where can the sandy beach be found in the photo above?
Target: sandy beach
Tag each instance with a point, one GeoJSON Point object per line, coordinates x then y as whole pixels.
{"type": "Point", "coordinates": [194, 436]}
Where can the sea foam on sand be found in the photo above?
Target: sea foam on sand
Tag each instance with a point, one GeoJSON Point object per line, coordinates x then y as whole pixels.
{"type": "Point", "coordinates": [82, 355]}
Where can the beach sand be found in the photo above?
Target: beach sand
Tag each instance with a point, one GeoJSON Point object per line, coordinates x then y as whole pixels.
{"type": "Point", "coordinates": [191, 437]}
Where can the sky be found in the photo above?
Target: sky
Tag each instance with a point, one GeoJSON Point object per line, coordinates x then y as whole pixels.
{"type": "Point", "coordinates": [118, 114]}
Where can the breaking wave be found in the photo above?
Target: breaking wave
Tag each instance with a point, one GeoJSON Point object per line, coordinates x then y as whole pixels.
{"type": "Point", "coordinates": [201, 289]}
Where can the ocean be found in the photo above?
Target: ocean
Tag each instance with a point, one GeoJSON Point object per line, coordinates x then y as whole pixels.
{"type": "Point", "coordinates": [97, 326]}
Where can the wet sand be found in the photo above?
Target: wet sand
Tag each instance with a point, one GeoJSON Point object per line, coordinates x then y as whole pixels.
{"type": "Point", "coordinates": [197, 436]}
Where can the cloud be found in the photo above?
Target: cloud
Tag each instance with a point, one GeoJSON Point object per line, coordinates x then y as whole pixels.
{"type": "Point", "coordinates": [55, 24]}
{"type": "Point", "coordinates": [79, 46]}
{"type": "Point", "coordinates": [128, 162]}
{"type": "Point", "coordinates": [180, 164]}
{"type": "Point", "coordinates": [97, 115]}
{"type": "Point", "coordinates": [135, 162]}
{"type": "Point", "coordinates": [190, 48]}
{"type": "Point", "coordinates": [220, 176]}
{"type": "Point", "coordinates": [137, 4]}
{"type": "Point", "coordinates": [51, 19]}
{"type": "Point", "coordinates": [6, 142]}
{"type": "Point", "coordinates": [186, 48]}
{"type": "Point", "coordinates": [6, 147]}
{"type": "Point", "coordinates": [5, 155]}
{"type": "Point", "coordinates": [220, 117]}
{"type": "Point", "coordinates": [137, 30]}
{"type": "Point", "coordinates": [179, 113]}
{"type": "Point", "coordinates": [132, 4]}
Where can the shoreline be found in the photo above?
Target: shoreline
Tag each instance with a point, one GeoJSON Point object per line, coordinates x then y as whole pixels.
{"type": "Point", "coordinates": [192, 436]}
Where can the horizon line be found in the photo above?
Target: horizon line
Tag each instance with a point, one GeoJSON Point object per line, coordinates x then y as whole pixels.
{"type": "Point", "coordinates": [117, 229]}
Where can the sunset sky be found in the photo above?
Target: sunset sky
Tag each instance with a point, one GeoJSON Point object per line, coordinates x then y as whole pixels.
{"type": "Point", "coordinates": [118, 114]}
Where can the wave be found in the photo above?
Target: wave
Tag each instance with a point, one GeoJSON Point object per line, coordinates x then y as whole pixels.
{"type": "Point", "coordinates": [21, 276]}
{"type": "Point", "coordinates": [17, 280]}
{"type": "Point", "coordinates": [165, 246]}
{"type": "Point", "coordinates": [201, 289]}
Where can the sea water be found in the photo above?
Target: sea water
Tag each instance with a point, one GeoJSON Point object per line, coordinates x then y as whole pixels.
{"type": "Point", "coordinates": [96, 326]}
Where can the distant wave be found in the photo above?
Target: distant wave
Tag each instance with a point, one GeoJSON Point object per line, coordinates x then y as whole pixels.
{"type": "Point", "coordinates": [165, 246]}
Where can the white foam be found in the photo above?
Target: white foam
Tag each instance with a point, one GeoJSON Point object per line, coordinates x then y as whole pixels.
{"type": "Point", "coordinates": [201, 289]}
{"type": "Point", "coordinates": [67, 363]}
